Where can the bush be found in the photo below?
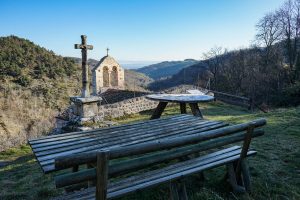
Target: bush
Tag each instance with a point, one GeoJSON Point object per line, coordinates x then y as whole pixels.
{"type": "Point", "coordinates": [290, 96]}
{"type": "Point", "coordinates": [23, 80]}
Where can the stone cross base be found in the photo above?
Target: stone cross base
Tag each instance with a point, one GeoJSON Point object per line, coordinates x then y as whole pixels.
{"type": "Point", "coordinates": [86, 107]}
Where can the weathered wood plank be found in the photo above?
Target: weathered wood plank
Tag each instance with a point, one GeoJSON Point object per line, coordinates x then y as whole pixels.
{"type": "Point", "coordinates": [47, 139]}
{"type": "Point", "coordinates": [171, 132]}
{"type": "Point", "coordinates": [144, 161]}
{"type": "Point", "coordinates": [112, 134]}
{"type": "Point", "coordinates": [194, 137]}
{"type": "Point", "coordinates": [133, 140]}
{"type": "Point", "coordinates": [245, 148]}
{"type": "Point", "coordinates": [116, 190]}
{"type": "Point", "coordinates": [48, 164]}
{"type": "Point", "coordinates": [102, 175]}
{"type": "Point", "coordinates": [175, 168]}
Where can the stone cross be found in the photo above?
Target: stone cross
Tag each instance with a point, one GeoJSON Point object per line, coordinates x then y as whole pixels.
{"type": "Point", "coordinates": [85, 71]}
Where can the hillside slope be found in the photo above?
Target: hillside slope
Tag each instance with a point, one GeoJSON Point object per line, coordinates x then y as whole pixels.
{"type": "Point", "coordinates": [196, 74]}
{"type": "Point", "coordinates": [165, 69]}
{"type": "Point", "coordinates": [136, 81]}
{"type": "Point", "coordinates": [34, 85]}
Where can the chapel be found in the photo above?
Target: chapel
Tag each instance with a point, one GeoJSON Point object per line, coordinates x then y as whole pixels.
{"type": "Point", "coordinates": [108, 74]}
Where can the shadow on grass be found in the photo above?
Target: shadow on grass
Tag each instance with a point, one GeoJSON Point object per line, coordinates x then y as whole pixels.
{"type": "Point", "coordinates": [23, 179]}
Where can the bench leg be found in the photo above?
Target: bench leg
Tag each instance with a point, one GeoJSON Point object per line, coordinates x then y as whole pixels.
{"type": "Point", "coordinates": [246, 175]}
{"type": "Point", "coordinates": [90, 183]}
{"type": "Point", "coordinates": [233, 180]}
{"type": "Point", "coordinates": [178, 190]}
{"type": "Point", "coordinates": [102, 175]}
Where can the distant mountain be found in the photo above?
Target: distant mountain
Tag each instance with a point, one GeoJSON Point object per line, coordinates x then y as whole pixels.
{"type": "Point", "coordinates": [195, 74]}
{"type": "Point", "coordinates": [127, 64]}
{"type": "Point", "coordinates": [165, 69]}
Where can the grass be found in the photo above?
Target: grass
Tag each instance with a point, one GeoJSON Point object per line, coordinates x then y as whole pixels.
{"type": "Point", "coordinates": [275, 171]}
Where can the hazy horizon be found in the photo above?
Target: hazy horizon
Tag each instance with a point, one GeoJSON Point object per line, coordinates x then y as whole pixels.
{"type": "Point", "coordinates": [178, 30]}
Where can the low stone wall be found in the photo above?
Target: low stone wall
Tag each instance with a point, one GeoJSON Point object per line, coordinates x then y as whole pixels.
{"type": "Point", "coordinates": [126, 107]}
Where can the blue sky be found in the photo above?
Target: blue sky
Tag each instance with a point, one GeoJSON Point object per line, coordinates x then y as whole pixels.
{"type": "Point", "coordinates": [135, 30]}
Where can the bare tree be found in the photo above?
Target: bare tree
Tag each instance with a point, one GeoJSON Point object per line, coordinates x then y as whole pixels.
{"type": "Point", "coordinates": [269, 32]}
{"type": "Point", "coordinates": [215, 60]}
{"type": "Point", "coordinates": [289, 22]}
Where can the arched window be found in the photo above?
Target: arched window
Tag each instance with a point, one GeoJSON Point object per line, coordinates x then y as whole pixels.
{"type": "Point", "coordinates": [105, 77]}
{"type": "Point", "coordinates": [114, 76]}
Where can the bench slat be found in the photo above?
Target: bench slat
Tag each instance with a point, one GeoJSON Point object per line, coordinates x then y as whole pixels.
{"type": "Point", "coordinates": [163, 175]}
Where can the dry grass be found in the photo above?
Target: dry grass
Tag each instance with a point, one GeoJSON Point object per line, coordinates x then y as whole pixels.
{"type": "Point", "coordinates": [29, 112]}
{"type": "Point", "coordinates": [23, 116]}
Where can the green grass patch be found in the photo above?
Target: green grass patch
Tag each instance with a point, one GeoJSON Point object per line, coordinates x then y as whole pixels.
{"type": "Point", "coordinates": [275, 170]}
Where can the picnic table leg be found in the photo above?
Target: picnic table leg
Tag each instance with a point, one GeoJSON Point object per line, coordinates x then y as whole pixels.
{"type": "Point", "coordinates": [178, 190]}
{"type": "Point", "coordinates": [195, 110]}
{"type": "Point", "coordinates": [182, 108]}
{"type": "Point", "coordinates": [159, 110]}
{"type": "Point", "coordinates": [75, 168]}
{"type": "Point", "coordinates": [90, 183]}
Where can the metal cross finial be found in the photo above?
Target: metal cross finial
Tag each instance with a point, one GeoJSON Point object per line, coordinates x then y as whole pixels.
{"type": "Point", "coordinates": [85, 73]}
{"type": "Point", "coordinates": [107, 49]}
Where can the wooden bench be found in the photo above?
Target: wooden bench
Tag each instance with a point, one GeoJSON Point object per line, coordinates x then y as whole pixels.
{"type": "Point", "coordinates": [121, 170]}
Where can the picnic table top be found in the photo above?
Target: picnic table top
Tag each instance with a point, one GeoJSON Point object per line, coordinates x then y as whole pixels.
{"type": "Point", "coordinates": [180, 98]}
{"type": "Point", "coordinates": [49, 148]}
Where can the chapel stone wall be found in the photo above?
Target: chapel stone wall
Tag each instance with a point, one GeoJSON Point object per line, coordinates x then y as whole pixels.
{"type": "Point", "coordinates": [108, 74]}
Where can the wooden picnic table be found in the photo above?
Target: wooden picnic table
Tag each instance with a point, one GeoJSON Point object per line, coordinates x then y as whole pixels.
{"type": "Point", "coordinates": [49, 148]}
{"type": "Point", "coordinates": [182, 99]}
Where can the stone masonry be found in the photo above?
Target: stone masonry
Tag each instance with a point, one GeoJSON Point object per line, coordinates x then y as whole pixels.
{"type": "Point", "coordinates": [126, 107]}
{"type": "Point", "coordinates": [108, 74]}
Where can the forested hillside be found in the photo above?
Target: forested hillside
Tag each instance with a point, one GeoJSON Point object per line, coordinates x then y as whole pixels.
{"type": "Point", "coordinates": [34, 85]}
{"type": "Point", "coordinates": [165, 69]}
{"type": "Point", "coordinates": [197, 74]}
{"type": "Point", "coordinates": [22, 61]}
{"type": "Point", "coordinates": [268, 71]}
